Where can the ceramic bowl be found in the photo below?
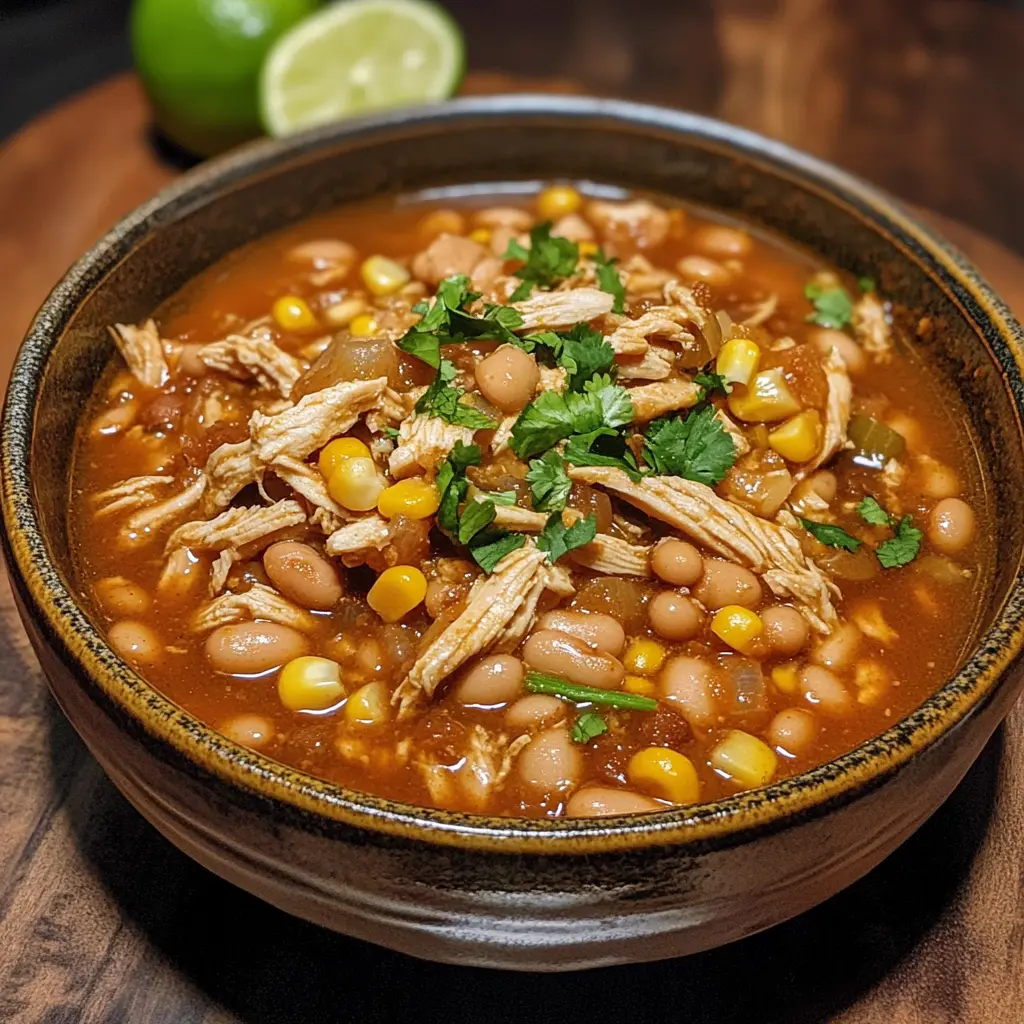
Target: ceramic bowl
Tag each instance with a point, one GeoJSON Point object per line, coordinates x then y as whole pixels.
{"type": "Point", "coordinates": [540, 895]}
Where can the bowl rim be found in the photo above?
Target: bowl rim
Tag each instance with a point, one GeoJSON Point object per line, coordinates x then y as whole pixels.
{"type": "Point", "coordinates": [321, 804]}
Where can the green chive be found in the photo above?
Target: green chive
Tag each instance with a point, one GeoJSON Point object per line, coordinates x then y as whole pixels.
{"type": "Point", "coordinates": [538, 682]}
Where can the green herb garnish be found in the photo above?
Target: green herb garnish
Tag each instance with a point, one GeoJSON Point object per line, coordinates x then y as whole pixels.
{"type": "Point", "coordinates": [539, 682]}
{"type": "Point", "coordinates": [491, 546]}
{"type": "Point", "coordinates": [602, 447]}
{"type": "Point", "coordinates": [711, 384]}
{"type": "Point", "coordinates": [557, 539]}
{"type": "Point", "coordinates": [695, 448]}
{"type": "Point", "coordinates": [547, 261]}
{"type": "Point", "coordinates": [475, 517]}
{"type": "Point", "coordinates": [866, 284]}
{"type": "Point", "coordinates": [584, 353]}
{"type": "Point", "coordinates": [902, 547]}
{"type": "Point", "coordinates": [871, 512]}
{"type": "Point", "coordinates": [832, 306]}
{"type": "Point", "coordinates": [549, 483]}
{"type": "Point", "coordinates": [443, 400]}
{"type": "Point", "coordinates": [452, 485]}
{"type": "Point", "coordinates": [608, 280]}
{"type": "Point", "coordinates": [588, 726]}
{"type": "Point", "coordinates": [833, 536]}
{"type": "Point", "coordinates": [505, 498]}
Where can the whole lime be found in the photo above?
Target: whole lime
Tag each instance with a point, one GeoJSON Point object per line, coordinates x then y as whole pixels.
{"type": "Point", "coordinates": [200, 61]}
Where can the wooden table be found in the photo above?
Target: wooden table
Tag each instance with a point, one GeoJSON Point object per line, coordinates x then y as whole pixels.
{"type": "Point", "coordinates": [102, 920]}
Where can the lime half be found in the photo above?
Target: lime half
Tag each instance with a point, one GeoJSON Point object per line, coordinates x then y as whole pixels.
{"type": "Point", "coordinates": [356, 56]}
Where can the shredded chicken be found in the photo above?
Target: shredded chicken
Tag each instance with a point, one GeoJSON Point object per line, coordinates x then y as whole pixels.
{"type": "Point", "coordinates": [229, 469]}
{"type": "Point", "coordinates": [657, 364]}
{"type": "Point", "coordinates": [447, 255]}
{"type": "Point", "coordinates": [521, 520]}
{"type": "Point", "coordinates": [764, 311]}
{"type": "Point", "coordinates": [488, 762]}
{"type": "Point", "coordinates": [552, 311]}
{"type": "Point", "coordinates": [313, 420]}
{"type": "Point", "coordinates": [258, 603]}
{"type": "Point", "coordinates": [739, 439]}
{"type": "Point", "coordinates": [837, 412]}
{"type": "Point", "coordinates": [723, 527]}
{"type": "Point", "coordinates": [636, 220]}
{"type": "Point", "coordinates": [871, 327]}
{"type": "Point", "coordinates": [236, 528]}
{"type": "Point", "coordinates": [423, 444]}
{"type": "Point", "coordinates": [135, 492]}
{"type": "Point", "coordinates": [491, 616]}
{"type": "Point", "coordinates": [394, 406]}
{"type": "Point", "coordinates": [667, 323]}
{"type": "Point", "coordinates": [613, 556]}
{"type": "Point", "coordinates": [653, 400]}
{"type": "Point", "coordinates": [306, 481]}
{"type": "Point", "coordinates": [149, 520]}
{"type": "Point", "coordinates": [242, 357]}
{"type": "Point", "coordinates": [369, 533]}
{"type": "Point", "coordinates": [143, 350]}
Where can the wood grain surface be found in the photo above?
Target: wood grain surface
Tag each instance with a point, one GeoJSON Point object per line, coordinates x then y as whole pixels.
{"type": "Point", "coordinates": [102, 920]}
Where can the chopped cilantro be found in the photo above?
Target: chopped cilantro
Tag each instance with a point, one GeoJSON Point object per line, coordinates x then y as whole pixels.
{"type": "Point", "coordinates": [696, 448]}
{"type": "Point", "coordinates": [711, 384]}
{"type": "Point", "coordinates": [452, 485]}
{"type": "Point", "coordinates": [424, 345]}
{"type": "Point", "coordinates": [475, 516]}
{"type": "Point", "coordinates": [549, 482]}
{"type": "Point", "coordinates": [392, 433]}
{"type": "Point", "coordinates": [547, 261]}
{"type": "Point", "coordinates": [833, 536]}
{"type": "Point", "coordinates": [616, 405]}
{"type": "Point", "coordinates": [902, 547]}
{"type": "Point", "coordinates": [584, 352]}
{"type": "Point", "coordinates": [491, 546]}
{"type": "Point", "coordinates": [832, 306]}
{"type": "Point", "coordinates": [558, 540]}
{"type": "Point", "coordinates": [443, 400]}
{"type": "Point", "coordinates": [608, 280]}
{"type": "Point", "coordinates": [871, 512]}
{"type": "Point", "coordinates": [602, 447]}
{"type": "Point", "coordinates": [588, 726]}
{"type": "Point", "coordinates": [866, 284]}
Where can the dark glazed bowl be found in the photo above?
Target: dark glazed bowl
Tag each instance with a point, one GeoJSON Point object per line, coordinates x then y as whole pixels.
{"type": "Point", "coordinates": [501, 892]}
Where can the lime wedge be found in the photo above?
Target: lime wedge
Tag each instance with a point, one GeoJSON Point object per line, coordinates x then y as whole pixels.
{"type": "Point", "coordinates": [356, 56]}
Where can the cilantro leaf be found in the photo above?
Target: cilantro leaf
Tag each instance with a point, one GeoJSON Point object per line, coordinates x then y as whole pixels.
{"type": "Point", "coordinates": [551, 417]}
{"type": "Point", "coordinates": [452, 485]}
{"type": "Point", "coordinates": [423, 345]}
{"type": "Point", "coordinates": [491, 546]}
{"type": "Point", "coordinates": [833, 536]}
{"type": "Point", "coordinates": [549, 482]}
{"type": "Point", "coordinates": [866, 284]}
{"type": "Point", "coordinates": [696, 448]}
{"type": "Point", "coordinates": [871, 512]}
{"type": "Point", "coordinates": [902, 547]}
{"type": "Point", "coordinates": [443, 400]}
{"type": "Point", "coordinates": [602, 447]}
{"type": "Point", "coordinates": [558, 540]}
{"type": "Point", "coordinates": [616, 405]}
{"type": "Point", "coordinates": [588, 726]}
{"type": "Point", "coordinates": [584, 352]}
{"type": "Point", "coordinates": [505, 498]}
{"type": "Point", "coordinates": [608, 280]}
{"type": "Point", "coordinates": [547, 261]}
{"type": "Point", "coordinates": [832, 306]}
{"type": "Point", "coordinates": [475, 516]}
{"type": "Point", "coordinates": [711, 384]}
{"type": "Point", "coordinates": [548, 340]}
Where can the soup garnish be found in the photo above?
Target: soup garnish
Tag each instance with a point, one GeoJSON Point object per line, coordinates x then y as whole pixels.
{"type": "Point", "coordinates": [557, 505]}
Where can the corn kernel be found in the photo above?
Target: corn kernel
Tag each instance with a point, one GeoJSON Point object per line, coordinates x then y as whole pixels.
{"type": "Point", "coordinates": [397, 591]}
{"type": "Point", "coordinates": [799, 438]}
{"type": "Point", "coordinates": [310, 684]}
{"type": "Point", "coordinates": [558, 201]}
{"type": "Point", "coordinates": [293, 314]}
{"type": "Point", "coordinates": [644, 657]}
{"type": "Point", "coordinates": [364, 326]}
{"type": "Point", "coordinates": [382, 275]}
{"type": "Point", "coordinates": [415, 499]}
{"type": "Point", "coordinates": [744, 758]}
{"type": "Point", "coordinates": [355, 484]}
{"type": "Point", "coordinates": [784, 677]}
{"type": "Point", "coordinates": [766, 399]}
{"type": "Point", "coordinates": [739, 627]}
{"type": "Point", "coordinates": [588, 248]}
{"type": "Point", "coordinates": [369, 705]}
{"type": "Point", "coordinates": [738, 360]}
{"type": "Point", "coordinates": [481, 235]}
{"type": "Point", "coordinates": [637, 684]}
{"type": "Point", "coordinates": [335, 452]}
{"type": "Point", "coordinates": [668, 773]}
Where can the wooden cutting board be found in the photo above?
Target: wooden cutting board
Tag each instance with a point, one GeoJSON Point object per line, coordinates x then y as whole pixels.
{"type": "Point", "coordinates": [102, 920]}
